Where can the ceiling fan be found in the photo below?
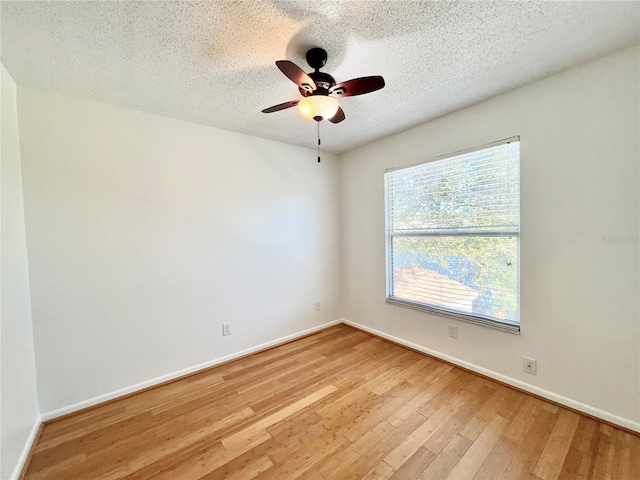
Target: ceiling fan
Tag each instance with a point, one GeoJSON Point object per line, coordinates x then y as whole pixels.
{"type": "Point", "coordinates": [319, 89]}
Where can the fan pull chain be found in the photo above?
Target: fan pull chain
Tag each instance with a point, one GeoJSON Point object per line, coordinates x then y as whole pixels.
{"type": "Point", "coordinates": [318, 123]}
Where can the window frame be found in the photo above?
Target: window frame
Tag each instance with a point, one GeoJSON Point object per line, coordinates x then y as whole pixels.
{"type": "Point", "coordinates": [510, 327]}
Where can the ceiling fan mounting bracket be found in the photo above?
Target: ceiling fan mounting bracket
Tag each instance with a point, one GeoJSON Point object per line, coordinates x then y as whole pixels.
{"type": "Point", "coordinates": [317, 58]}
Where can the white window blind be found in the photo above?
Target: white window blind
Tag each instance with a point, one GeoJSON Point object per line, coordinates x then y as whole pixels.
{"type": "Point", "coordinates": [452, 228]}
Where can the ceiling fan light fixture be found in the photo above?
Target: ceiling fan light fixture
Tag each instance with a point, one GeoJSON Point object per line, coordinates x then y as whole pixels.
{"type": "Point", "coordinates": [321, 106]}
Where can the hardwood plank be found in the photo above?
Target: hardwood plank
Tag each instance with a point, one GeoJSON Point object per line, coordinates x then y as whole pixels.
{"type": "Point", "coordinates": [321, 457]}
{"type": "Point", "coordinates": [550, 464]}
{"type": "Point", "coordinates": [338, 404]}
{"type": "Point", "coordinates": [415, 465]}
{"type": "Point", "coordinates": [238, 438]}
{"type": "Point", "coordinates": [251, 470]}
{"type": "Point", "coordinates": [423, 397]}
{"type": "Point", "coordinates": [251, 461]}
{"type": "Point", "coordinates": [534, 440]}
{"type": "Point", "coordinates": [474, 457]}
{"type": "Point", "coordinates": [355, 450]}
{"type": "Point", "coordinates": [204, 459]}
{"type": "Point", "coordinates": [375, 414]}
{"type": "Point", "coordinates": [629, 457]}
{"type": "Point", "coordinates": [374, 455]}
{"type": "Point", "coordinates": [604, 463]}
{"type": "Point", "coordinates": [498, 460]}
{"type": "Point", "coordinates": [580, 455]}
{"type": "Point", "coordinates": [414, 441]}
{"type": "Point", "coordinates": [447, 459]}
{"type": "Point", "coordinates": [298, 455]}
{"type": "Point", "coordinates": [382, 471]}
{"type": "Point", "coordinates": [450, 429]}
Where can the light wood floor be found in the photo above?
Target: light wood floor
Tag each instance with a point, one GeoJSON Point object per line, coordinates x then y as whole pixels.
{"type": "Point", "coordinates": [340, 404]}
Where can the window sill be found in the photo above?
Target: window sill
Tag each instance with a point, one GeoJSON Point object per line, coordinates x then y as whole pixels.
{"type": "Point", "coordinates": [485, 322]}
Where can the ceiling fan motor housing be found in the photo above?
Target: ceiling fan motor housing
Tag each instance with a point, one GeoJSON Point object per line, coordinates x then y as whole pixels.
{"type": "Point", "coordinates": [323, 82]}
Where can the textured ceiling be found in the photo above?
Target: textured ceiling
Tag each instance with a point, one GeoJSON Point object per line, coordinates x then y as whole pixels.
{"type": "Point", "coordinates": [212, 62]}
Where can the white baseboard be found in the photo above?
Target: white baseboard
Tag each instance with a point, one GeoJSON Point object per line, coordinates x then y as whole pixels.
{"type": "Point", "coordinates": [17, 470]}
{"type": "Point", "coordinates": [180, 373]}
{"type": "Point", "coordinates": [574, 404]}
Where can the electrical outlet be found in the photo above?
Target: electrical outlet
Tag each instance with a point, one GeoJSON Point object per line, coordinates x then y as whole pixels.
{"type": "Point", "coordinates": [453, 331]}
{"type": "Point", "coordinates": [529, 365]}
{"type": "Point", "coordinates": [317, 306]}
{"type": "Point", "coordinates": [226, 329]}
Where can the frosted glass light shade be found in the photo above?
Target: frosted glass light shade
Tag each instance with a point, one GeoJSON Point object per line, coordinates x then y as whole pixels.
{"type": "Point", "coordinates": [318, 106]}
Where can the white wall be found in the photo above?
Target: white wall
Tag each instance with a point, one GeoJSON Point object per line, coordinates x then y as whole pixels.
{"type": "Point", "coordinates": [146, 233]}
{"type": "Point", "coordinates": [579, 183]}
{"type": "Point", "coordinates": [19, 414]}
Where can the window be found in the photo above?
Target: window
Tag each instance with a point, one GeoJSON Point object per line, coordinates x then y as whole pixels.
{"type": "Point", "coordinates": [452, 232]}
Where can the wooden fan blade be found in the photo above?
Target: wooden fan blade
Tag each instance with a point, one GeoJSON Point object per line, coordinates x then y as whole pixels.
{"type": "Point", "coordinates": [338, 117]}
{"type": "Point", "coordinates": [357, 86]}
{"type": "Point", "coordinates": [281, 106]}
{"type": "Point", "coordinates": [296, 75]}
